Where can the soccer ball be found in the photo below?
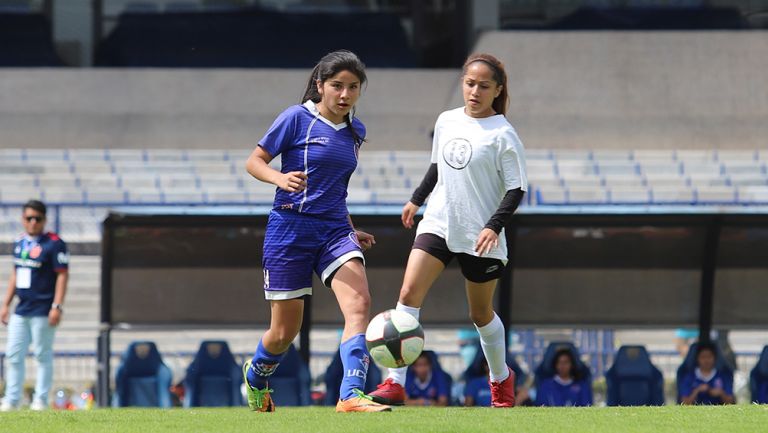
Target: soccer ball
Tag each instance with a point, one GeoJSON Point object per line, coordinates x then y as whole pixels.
{"type": "Point", "coordinates": [394, 339]}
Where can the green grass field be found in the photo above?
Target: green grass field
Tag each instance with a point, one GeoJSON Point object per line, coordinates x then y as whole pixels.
{"type": "Point", "coordinates": [677, 419]}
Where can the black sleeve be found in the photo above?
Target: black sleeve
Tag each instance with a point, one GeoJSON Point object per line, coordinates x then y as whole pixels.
{"type": "Point", "coordinates": [425, 188]}
{"type": "Point", "coordinates": [508, 205]}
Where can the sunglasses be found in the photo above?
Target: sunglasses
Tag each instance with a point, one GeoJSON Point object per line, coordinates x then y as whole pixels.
{"type": "Point", "coordinates": [36, 219]}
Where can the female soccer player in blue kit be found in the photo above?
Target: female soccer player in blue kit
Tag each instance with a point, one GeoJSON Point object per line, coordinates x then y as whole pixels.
{"type": "Point", "coordinates": [309, 228]}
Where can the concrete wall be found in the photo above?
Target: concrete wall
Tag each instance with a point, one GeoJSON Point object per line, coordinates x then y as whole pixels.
{"type": "Point", "coordinates": [161, 108]}
{"type": "Point", "coordinates": [568, 90]}
{"type": "Point", "coordinates": [636, 89]}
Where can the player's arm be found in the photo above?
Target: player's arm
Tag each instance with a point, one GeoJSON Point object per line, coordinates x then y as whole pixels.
{"type": "Point", "coordinates": [257, 166]}
{"type": "Point", "coordinates": [9, 294]}
{"type": "Point", "coordinates": [419, 196]}
{"type": "Point", "coordinates": [724, 394]}
{"type": "Point", "coordinates": [691, 394]}
{"type": "Point", "coordinates": [489, 236]}
{"type": "Point", "coordinates": [62, 278]}
{"type": "Point", "coordinates": [366, 240]}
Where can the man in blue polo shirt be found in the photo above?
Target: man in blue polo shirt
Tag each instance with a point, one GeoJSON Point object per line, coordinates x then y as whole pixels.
{"type": "Point", "coordinates": [39, 279]}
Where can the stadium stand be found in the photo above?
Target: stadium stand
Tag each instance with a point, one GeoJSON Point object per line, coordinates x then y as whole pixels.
{"type": "Point", "coordinates": [142, 379]}
{"type": "Point", "coordinates": [26, 37]}
{"type": "Point", "coordinates": [214, 377]}
{"type": "Point", "coordinates": [633, 380]}
{"type": "Point", "coordinates": [229, 37]}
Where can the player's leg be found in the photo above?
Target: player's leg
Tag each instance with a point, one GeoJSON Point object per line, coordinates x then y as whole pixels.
{"type": "Point", "coordinates": [427, 260]}
{"type": "Point", "coordinates": [42, 347]}
{"type": "Point", "coordinates": [15, 353]}
{"type": "Point", "coordinates": [350, 285]}
{"type": "Point", "coordinates": [481, 277]}
{"type": "Point", "coordinates": [289, 251]}
{"type": "Point", "coordinates": [285, 323]}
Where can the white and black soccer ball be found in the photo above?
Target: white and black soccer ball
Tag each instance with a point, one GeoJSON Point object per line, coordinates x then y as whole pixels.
{"type": "Point", "coordinates": [394, 339]}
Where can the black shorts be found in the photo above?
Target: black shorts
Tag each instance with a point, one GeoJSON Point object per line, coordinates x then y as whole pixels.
{"type": "Point", "coordinates": [475, 269]}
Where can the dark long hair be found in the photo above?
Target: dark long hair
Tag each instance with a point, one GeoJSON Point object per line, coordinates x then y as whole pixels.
{"type": "Point", "coordinates": [575, 374]}
{"type": "Point", "coordinates": [499, 75]}
{"type": "Point", "coordinates": [330, 65]}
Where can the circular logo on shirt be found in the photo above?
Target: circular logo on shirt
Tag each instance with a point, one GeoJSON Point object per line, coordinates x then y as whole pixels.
{"type": "Point", "coordinates": [457, 153]}
{"type": "Point", "coordinates": [35, 252]}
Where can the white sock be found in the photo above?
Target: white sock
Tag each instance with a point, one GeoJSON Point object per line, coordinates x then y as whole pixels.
{"type": "Point", "coordinates": [398, 374]}
{"type": "Point", "coordinates": [492, 342]}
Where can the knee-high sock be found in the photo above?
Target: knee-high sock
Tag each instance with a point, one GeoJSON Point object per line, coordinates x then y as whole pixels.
{"type": "Point", "coordinates": [398, 374]}
{"type": "Point", "coordinates": [355, 361]}
{"type": "Point", "coordinates": [263, 365]}
{"type": "Point", "coordinates": [492, 342]}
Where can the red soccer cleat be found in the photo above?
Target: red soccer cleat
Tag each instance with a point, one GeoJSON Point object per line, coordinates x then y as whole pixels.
{"type": "Point", "coordinates": [390, 393]}
{"type": "Point", "coordinates": [503, 393]}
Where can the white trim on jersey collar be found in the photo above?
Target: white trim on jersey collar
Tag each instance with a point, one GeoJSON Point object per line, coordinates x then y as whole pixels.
{"type": "Point", "coordinates": [700, 375]}
{"type": "Point", "coordinates": [561, 381]}
{"type": "Point", "coordinates": [312, 107]}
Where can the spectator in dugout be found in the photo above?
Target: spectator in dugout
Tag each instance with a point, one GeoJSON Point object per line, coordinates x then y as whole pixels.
{"type": "Point", "coordinates": [566, 387]}
{"type": "Point", "coordinates": [426, 384]}
{"type": "Point", "coordinates": [705, 385]}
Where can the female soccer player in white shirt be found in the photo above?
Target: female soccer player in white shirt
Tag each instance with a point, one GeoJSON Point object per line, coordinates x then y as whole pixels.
{"type": "Point", "coordinates": [476, 181]}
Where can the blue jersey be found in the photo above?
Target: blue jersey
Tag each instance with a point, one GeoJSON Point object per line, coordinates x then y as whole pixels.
{"type": "Point", "coordinates": [480, 390]}
{"type": "Point", "coordinates": [554, 392]}
{"type": "Point", "coordinates": [692, 380]}
{"type": "Point", "coordinates": [436, 387]}
{"type": "Point", "coordinates": [37, 262]}
{"type": "Point", "coordinates": [326, 152]}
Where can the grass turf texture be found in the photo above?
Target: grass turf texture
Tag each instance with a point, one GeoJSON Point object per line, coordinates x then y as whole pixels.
{"type": "Point", "coordinates": [677, 419]}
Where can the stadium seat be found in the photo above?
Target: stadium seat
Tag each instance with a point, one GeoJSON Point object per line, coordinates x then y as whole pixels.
{"type": "Point", "coordinates": [335, 372]}
{"type": "Point", "coordinates": [633, 380]}
{"type": "Point", "coordinates": [213, 378]}
{"type": "Point", "coordinates": [291, 381]}
{"type": "Point", "coordinates": [142, 379]}
{"type": "Point", "coordinates": [758, 379]}
{"type": "Point", "coordinates": [546, 370]}
{"type": "Point", "coordinates": [475, 368]}
{"type": "Point", "coordinates": [689, 364]}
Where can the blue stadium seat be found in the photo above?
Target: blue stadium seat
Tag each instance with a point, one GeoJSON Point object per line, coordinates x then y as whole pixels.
{"type": "Point", "coordinates": [27, 40]}
{"type": "Point", "coordinates": [291, 381]}
{"type": "Point", "coordinates": [335, 372]}
{"type": "Point", "coordinates": [633, 380]}
{"type": "Point", "coordinates": [545, 370]}
{"type": "Point", "coordinates": [758, 379]}
{"type": "Point", "coordinates": [213, 378]}
{"type": "Point", "coordinates": [475, 369]}
{"type": "Point", "coordinates": [689, 365]}
{"type": "Point", "coordinates": [142, 379]}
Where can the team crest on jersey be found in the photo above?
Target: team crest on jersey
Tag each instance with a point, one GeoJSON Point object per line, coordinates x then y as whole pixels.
{"type": "Point", "coordinates": [35, 252]}
{"type": "Point", "coordinates": [457, 153]}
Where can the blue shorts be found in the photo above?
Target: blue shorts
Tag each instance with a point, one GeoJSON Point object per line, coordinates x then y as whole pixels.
{"type": "Point", "coordinates": [295, 245]}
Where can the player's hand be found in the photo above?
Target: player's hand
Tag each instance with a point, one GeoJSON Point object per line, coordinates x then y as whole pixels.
{"type": "Point", "coordinates": [716, 392]}
{"type": "Point", "coordinates": [702, 388]}
{"type": "Point", "coordinates": [487, 241]}
{"type": "Point", "coordinates": [409, 211]}
{"type": "Point", "coordinates": [366, 240]}
{"type": "Point", "coordinates": [54, 317]}
{"type": "Point", "coordinates": [4, 315]}
{"type": "Point", "coordinates": [294, 181]}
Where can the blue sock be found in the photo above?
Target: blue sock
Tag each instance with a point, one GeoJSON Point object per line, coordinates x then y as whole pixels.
{"type": "Point", "coordinates": [355, 359]}
{"type": "Point", "coordinates": [263, 365]}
